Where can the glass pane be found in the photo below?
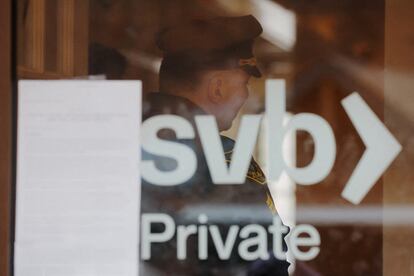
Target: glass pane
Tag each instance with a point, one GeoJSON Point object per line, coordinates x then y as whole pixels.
{"type": "Point", "coordinates": [327, 153]}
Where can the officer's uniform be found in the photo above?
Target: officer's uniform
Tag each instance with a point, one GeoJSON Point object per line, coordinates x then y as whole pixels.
{"type": "Point", "coordinates": [220, 43]}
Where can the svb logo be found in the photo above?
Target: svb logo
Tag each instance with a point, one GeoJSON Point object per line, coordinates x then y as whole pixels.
{"type": "Point", "coordinates": [381, 147]}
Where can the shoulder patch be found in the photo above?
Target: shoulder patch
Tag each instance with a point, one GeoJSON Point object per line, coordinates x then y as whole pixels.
{"type": "Point", "coordinates": [255, 173]}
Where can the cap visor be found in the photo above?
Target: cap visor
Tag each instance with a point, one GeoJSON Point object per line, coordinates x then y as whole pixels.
{"type": "Point", "coordinates": [252, 70]}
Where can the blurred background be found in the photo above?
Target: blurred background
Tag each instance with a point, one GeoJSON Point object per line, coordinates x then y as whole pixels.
{"type": "Point", "coordinates": [324, 49]}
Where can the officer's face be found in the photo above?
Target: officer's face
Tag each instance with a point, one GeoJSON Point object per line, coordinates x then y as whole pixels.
{"type": "Point", "coordinates": [229, 93]}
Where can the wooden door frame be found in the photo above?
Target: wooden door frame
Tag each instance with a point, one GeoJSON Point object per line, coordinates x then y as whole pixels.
{"type": "Point", "coordinates": [6, 135]}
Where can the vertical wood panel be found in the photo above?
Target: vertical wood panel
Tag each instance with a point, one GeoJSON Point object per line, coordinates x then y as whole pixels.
{"type": "Point", "coordinates": [35, 36]}
{"type": "Point", "coordinates": [53, 38]}
{"type": "Point", "coordinates": [66, 34]}
{"type": "Point", "coordinates": [81, 39]}
{"type": "Point", "coordinates": [73, 31]}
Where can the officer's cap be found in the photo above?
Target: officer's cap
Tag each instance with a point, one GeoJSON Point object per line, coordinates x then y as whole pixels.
{"type": "Point", "coordinates": [218, 43]}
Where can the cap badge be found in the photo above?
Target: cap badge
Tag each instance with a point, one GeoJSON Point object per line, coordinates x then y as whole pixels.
{"type": "Point", "coordinates": [248, 61]}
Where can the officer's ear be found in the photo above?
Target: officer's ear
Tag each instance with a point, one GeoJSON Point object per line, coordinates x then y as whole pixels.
{"type": "Point", "coordinates": [215, 89]}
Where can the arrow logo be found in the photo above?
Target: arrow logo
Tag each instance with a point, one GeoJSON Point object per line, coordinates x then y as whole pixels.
{"type": "Point", "coordinates": [381, 148]}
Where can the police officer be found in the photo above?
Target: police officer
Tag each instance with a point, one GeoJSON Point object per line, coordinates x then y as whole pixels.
{"type": "Point", "coordinates": [206, 69]}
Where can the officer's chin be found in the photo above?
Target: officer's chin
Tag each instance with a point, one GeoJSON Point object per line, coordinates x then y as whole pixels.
{"type": "Point", "coordinates": [225, 125]}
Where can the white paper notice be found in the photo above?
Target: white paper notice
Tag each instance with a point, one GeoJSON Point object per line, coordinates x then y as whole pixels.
{"type": "Point", "coordinates": [78, 182]}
